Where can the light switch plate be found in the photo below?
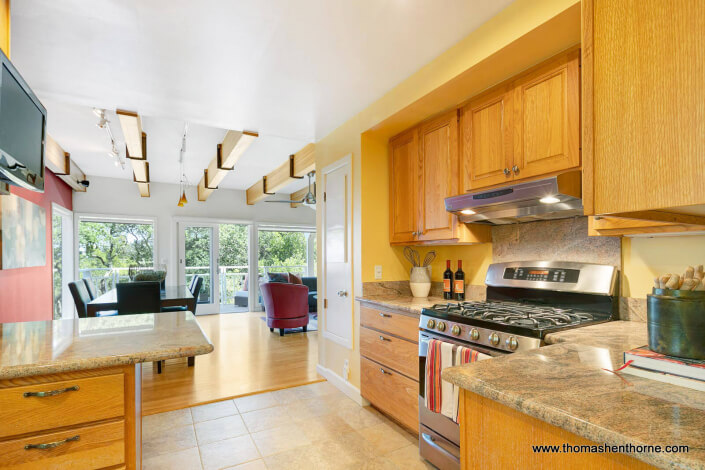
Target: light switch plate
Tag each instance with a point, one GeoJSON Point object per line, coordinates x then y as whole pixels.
{"type": "Point", "coordinates": [378, 271]}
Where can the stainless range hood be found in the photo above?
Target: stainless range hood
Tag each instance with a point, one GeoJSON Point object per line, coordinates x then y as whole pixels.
{"type": "Point", "coordinates": [557, 197]}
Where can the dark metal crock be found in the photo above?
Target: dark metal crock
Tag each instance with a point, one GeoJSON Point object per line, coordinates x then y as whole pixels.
{"type": "Point", "coordinates": [676, 323]}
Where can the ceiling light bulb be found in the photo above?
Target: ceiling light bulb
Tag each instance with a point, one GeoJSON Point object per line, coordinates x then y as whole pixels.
{"type": "Point", "coordinates": [549, 200]}
{"type": "Point", "coordinates": [467, 212]}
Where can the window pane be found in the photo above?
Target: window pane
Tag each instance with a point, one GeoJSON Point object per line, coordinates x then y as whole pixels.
{"type": "Point", "coordinates": [233, 267]}
{"type": "Point", "coordinates": [282, 252]}
{"type": "Point", "coordinates": [108, 250]}
{"type": "Point", "coordinates": [198, 241]}
{"type": "Point", "coordinates": [56, 243]}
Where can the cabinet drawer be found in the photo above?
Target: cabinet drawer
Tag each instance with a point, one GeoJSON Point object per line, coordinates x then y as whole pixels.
{"type": "Point", "coordinates": [96, 398]}
{"type": "Point", "coordinates": [97, 446]}
{"type": "Point", "coordinates": [395, 323]}
{"type": "Point", "coordinates": [391, 392]}
{"type": "Point", "coordinates": [398, 354]}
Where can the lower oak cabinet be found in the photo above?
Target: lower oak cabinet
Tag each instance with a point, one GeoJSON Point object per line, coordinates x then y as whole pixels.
{"type": "Point", "coordinates": [87, 419]}
{"type": "Point", "coordinates": [389, 365]}
{"type": "Point", "coordinates": [494, 437]}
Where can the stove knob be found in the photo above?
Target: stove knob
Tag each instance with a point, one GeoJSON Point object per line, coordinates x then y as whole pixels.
{"type": "Point", "coordinates": [431, 324]}
{"type": "Point", "coordinates": [512, 343]}
{"type": "Point", "coordinates": [455, 330]}
{"type": "Point", "coordinates": [474, 334]}
{"type": "Point", "coordinates": [441, 326]}
{"type": "Point", "coordinates": [494, 339]}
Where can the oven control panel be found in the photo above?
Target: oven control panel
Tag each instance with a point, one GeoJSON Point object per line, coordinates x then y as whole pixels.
{"type": "Point", "coordinates": [529, 273]}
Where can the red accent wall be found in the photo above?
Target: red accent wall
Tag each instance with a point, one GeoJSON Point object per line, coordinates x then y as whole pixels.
{"type": "Point", "coordinates": [26, 293]}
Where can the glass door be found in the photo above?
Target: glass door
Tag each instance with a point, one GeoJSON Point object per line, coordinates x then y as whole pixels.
{"type": "Point", "coordinates": [233, 267]}
{"type": "Point", "coordinates": [62, 261]}
{"type": "Point", "coordinates": [196, 258]}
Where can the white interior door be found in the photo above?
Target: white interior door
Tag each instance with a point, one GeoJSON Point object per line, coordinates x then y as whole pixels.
{"type": "Point", "coordinates": [337, 251]}
{"type": "Point", "coordinates": [197, 256]}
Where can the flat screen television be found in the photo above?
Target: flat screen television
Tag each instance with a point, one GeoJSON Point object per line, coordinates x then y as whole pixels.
{"type": "Point", "coordinates": [22, 130]}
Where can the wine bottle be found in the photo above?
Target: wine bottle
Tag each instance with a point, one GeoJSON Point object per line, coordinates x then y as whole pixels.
{"type": "Point", "coordinates": [459, 285]}
{"type": "Point", "coordinates": [448, 282]}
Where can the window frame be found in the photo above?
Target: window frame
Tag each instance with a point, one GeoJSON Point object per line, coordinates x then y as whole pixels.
{"type": "Point", "coordinates": [111, 218]}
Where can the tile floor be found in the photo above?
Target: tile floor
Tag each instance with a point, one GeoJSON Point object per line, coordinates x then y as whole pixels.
{"type": "Point", "coordinates": [310, 427]}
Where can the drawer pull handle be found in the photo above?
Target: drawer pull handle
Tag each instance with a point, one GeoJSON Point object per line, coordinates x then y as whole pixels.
{"type": "Point", "coordinates": [382, 338]}
{"type": "Point", "coordinates": [384, 371]}
{"type": "Point", "coordinates": [51, 445]}
{"type": "Point", "coordinates": [51, 393]}
{"type": "Point", "coordinates": [384, 315]}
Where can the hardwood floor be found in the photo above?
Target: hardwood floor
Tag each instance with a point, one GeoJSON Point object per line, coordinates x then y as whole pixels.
{"type": "Point", "coordinates": [247, 359]}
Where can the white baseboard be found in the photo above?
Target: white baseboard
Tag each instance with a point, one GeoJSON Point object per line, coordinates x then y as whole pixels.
{"type": "Point", "coordinates": [343, 385]}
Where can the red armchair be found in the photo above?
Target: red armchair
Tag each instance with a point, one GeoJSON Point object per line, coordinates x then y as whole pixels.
{"type": "Point", "coordinates": [286, 305]}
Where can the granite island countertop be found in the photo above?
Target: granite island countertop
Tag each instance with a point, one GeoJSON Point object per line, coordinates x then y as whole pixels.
{"type": "Point", "coordinates": [569, 384]}
{"type": "Point", "coordinates": [47, 347]}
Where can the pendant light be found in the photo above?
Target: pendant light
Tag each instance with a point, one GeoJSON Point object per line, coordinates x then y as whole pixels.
{"type": "Point", "coordinates": [183, 181]}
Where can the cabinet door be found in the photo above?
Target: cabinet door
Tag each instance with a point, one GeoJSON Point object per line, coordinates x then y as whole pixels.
{"type": "Point", "coordinates": [486, 130]}
{"type": "Point", "coordinates": [403, 187]}
{"type": "Point", "coordinates": [547, 118]}
{"type": "Point", "coordinates": [438, 149]}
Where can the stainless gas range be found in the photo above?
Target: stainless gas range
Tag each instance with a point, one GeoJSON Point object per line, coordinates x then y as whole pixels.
{"type": "Point", "coordinates": [525, 301]}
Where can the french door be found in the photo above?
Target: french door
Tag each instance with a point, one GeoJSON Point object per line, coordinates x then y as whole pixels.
{"type": "Point", "coordinates": [197, 244]}
{"type": "Point", "coordinates": [219, 253]}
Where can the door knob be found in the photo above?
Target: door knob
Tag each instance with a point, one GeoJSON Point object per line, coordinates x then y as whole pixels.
{"type": "Point", "coordinates": [506, 171]}
{"type": "Point", "coordinates": [515, 169]}
{"type": "Point", "coordinates": [342, 293]}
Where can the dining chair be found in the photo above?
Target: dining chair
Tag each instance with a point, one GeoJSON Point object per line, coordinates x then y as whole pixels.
{"type": "Point", "coordinates": [138, 297]}
{"type": "Point", "coordinates": [90, 287]}
{"type": "Point", "coordinates": [195, 289]}
{"type": "Point", "coordinates": [81, 297]}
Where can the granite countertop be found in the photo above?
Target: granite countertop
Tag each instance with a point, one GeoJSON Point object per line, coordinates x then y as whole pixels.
{"type": "Point", "coordinates": [401, 302]}
{"type": "Point", "coordinates": [567, 385]}
{"type": "Point", "coordinates": [47, 347]}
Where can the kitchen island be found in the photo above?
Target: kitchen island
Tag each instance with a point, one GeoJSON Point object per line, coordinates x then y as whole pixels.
{"type": "Point", "coordinates": [567, 393]}
{"type": "Point", "coordinates": [70, 390]}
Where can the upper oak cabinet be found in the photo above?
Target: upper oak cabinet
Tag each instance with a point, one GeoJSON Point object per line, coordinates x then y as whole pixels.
{"type": "Point", "coordinates": [438, 178]}
{"type": "Point", "coordinates": [524, 128]}
{"type": "Point", "coordinates": [403, 188]}
{"type": "Point", "coordinates": [644, 110]}
{"type": "Point", "coordinates": [487, 149]}
{"type": "Point", "coordinates": [423, 171]}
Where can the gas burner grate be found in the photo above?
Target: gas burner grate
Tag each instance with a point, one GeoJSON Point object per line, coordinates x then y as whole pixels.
{"type": "Point", "coordinates": [522, 315]}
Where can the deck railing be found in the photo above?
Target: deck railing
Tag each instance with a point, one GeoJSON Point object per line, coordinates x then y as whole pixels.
{"type": "Point", "coordinates": [231, 278]}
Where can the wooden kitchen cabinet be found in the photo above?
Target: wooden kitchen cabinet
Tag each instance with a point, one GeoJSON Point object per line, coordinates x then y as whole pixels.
{"type": "Point", "coordinates": [486, 129]}
{"type": "Point", "coordinates": [495, 436]}
{"type": "Point", "coordinates": [547, 118]}
{"type": "Point", "coordinates": [524, 128]}
{"type": "Point", "coordinates": [423, 171]}
{"type": "Point", "coordinates": [644, 111]}
{"type": "Point", "coordinates": [403, 188]}
{"type": "Point", "coordinates": [389, 363]}
{"type": "Point", "coordinates": [438, 178]}
{"type": "Point", "coordinates": [91, 418]}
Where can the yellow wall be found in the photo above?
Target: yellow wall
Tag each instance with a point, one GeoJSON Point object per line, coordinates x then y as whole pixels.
{"type": "Point", "coordinates": [5, 26]}
{"type": "Point", "coordinates": [457, 74]}
{"type": "Point", "coordinates": [645, 258]}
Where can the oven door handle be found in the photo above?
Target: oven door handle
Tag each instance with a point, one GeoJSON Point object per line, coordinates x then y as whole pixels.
{"type": "Point", "coordinates": [428, 439]}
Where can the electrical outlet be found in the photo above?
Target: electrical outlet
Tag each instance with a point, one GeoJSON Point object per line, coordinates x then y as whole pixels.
{"type": "Point", "coordinates": [378, 271]}
{"type": "Point", "coordinates": [346, 370]}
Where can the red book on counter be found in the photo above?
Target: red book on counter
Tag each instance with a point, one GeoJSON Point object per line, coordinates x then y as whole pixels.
{"type": "Point", "coordinates": [644, 358]}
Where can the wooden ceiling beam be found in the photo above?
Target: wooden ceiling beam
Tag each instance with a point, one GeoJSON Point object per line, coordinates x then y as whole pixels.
{"type": "Point", "coordinates": [60, 163]}
{"type": "Point", "coordinates": [136, 147]}
{"type": "Point", "coordinates": [298, 195]}
{"type": "Point", "coordinates": [227, 154]}
{"type": "Point", "coordinates": [296, 167]}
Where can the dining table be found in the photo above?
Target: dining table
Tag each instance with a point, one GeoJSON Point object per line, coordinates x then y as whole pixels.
{"type": "Point", "coordinates": [171, 296]}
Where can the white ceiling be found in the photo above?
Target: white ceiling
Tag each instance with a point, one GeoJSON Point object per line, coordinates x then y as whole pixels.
{"type": "Point", "coordinates": [291, 70]}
